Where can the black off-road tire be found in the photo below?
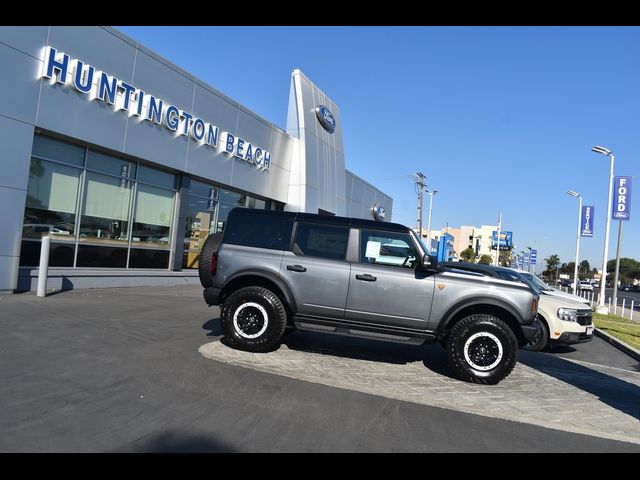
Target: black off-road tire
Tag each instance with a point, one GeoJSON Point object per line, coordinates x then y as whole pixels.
{"type": "Point", "coordinates": [210, 246]}
{"type": "Point", "coordinates": [491, 349]}
{"type": "Point", "coordinates": [253, 319]}
{"type": "Point", "coordinates": [541, 340]}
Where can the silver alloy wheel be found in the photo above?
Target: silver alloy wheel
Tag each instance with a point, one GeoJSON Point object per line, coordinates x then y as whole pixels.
{"type": "Point", "coordinates": [250, 320]}
{"type": "Point", "coordinates": [483, 351]}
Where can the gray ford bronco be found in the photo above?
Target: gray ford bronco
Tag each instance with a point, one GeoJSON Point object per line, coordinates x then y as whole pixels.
{"type": "Point", "coordinates": [271, 271]}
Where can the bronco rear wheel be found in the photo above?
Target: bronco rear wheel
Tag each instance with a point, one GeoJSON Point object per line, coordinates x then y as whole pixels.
{"type": "Point", "coordinates": [481, 348]}
{"type": "Point", "coordinates": [253, 319]}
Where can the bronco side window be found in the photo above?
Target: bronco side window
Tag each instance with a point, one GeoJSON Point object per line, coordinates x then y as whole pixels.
{"type": "Point", "coordinates": [388, 248]}
{"type": "Point", "coordinates": [325, 241]}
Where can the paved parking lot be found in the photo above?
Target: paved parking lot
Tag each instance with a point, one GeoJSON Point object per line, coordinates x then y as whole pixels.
{"type": "Point", "coordinates": [543, 389]}
{"type": "Point", "coordinates": [120, 370]}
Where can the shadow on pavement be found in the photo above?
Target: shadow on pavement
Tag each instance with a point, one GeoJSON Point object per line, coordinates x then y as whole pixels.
{"type": "Point", "coordinates": [431, 356]}
{"type": "Point", "coordinates": [213, 326]}
{"type": "Point", "coordinates": [177, 442]}
{"type": "Point", "coordinates": [617, 393]}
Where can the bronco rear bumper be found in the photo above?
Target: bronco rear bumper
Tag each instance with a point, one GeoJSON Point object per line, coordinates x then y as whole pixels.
{"type": "Point", "coordinates": [212, 295]}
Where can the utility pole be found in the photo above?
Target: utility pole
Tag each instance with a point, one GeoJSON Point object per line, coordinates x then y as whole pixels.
{"type": "Point", "coordinates": [431, 194]}
{"type": "Point", "coordinates": [420, 186]}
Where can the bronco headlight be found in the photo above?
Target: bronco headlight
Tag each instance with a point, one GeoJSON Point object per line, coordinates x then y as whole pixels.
{"type": "Point", "coordinates": [568, 314]}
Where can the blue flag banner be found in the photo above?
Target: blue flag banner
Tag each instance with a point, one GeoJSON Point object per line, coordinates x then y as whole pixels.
{"type": "Point", "coordinates": [586, 221]}
{"type": "Point", "coordinates": [534, 257]}
{"type": "Point", "coordinates": [621, 208]}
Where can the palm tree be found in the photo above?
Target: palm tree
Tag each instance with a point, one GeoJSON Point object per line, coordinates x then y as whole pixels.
{"type": "Point", "coordinates": [553, 262]}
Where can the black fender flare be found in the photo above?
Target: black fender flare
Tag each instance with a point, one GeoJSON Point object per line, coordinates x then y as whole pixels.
{"type": "Point", "coordinates": [469, 302]}
{"type": "Point", "coordinates": [267, 275]}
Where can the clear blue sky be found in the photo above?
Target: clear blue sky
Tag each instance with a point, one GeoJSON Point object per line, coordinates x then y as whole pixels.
{"type": "Point", "coordinates": [497, 118]}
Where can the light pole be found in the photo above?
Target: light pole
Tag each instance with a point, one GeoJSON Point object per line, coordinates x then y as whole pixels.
{"type": "Point", "coordinates": [601, 307]}
{"type": "Point", "coordinates": [529, 269]}
{"type": "Point", "coordinates": [575, 270]}
{"type": "Point", "coordinates": [431, 194]}
{"type": "Point", "coordinates": [420, 186]}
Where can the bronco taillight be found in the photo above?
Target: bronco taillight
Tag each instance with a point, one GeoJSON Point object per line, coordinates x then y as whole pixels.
{"type": "Point", "coordinates": [214, 263]}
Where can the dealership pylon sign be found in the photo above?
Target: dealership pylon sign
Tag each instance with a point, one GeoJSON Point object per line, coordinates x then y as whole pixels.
{"type": "Point", "coordinates": [621, 208]}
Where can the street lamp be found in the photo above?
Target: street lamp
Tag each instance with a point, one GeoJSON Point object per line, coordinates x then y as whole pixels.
{"type": "Point", "coordinates": [431, 194]}
{"type": "Point", "coordinates": [529, 268]}
{"type": "Point", "coordinates": [601, 307]}
{"type": "Point", "coordinates": [575, 270]}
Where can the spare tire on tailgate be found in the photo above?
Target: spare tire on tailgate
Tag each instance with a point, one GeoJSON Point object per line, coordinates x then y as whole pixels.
{"type": "Point", "coordinates": [210, 247]}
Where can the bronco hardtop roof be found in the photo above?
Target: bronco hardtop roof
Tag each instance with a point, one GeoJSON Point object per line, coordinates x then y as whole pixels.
{"type": "Point", "coordinates": [325, 219]}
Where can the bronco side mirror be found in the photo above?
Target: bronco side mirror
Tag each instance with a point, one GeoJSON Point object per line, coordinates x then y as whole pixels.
{"type": "Point", "coordinates": [430, 263]}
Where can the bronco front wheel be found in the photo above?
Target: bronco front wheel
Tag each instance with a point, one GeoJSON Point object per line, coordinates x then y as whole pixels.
{"type": "Point", "coordinates": [481, 348]}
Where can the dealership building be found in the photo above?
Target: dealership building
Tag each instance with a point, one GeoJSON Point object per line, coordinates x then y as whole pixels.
{"type": "Point", "coordinates": [127, 162]}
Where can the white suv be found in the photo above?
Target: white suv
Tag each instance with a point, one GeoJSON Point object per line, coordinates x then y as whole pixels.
{"type": "Point", "coordinates": [585, 285]}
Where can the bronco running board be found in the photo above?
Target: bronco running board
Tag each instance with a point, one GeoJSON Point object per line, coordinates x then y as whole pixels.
{"type": "Point", "coordinates": [357, 329]}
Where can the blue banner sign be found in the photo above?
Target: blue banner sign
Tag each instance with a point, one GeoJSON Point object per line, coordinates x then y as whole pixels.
{"type": "Point", "coordinates": [506, 240]}
{"type": "Point", "coordinates": [534, 257]}
{"type": "Point", "coordinates": [621, 208]}
{"type": "Point", "coordinates": [586, 221]}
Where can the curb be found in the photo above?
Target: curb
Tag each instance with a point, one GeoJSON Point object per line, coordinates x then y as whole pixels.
{"type": "Point", "coordinates": [619, 344]}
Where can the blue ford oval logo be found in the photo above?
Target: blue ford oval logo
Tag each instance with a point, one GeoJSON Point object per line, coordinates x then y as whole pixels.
{"type": "Point", "coordinates": [326, 118]}
{"type": "Point", "coordinates": [379, 212]}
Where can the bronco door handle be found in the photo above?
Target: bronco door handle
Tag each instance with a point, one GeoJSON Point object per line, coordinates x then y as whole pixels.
{"type": "Point", "coordinates": [296, 268]}
{"type": "Point", "coordinates": [366, 277]}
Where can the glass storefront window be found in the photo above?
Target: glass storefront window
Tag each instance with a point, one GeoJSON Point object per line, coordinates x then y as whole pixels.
{"type": "Point", "coordinates": [156, 177]}
{"type": "Point", "coordinates": [101, 256]}
{"type": "Point", "coordinates": [112, 165]}
{"type": "Point", "coordinates": [51, 201]}
{"type": "Point", "coordinates": [60, 255]}
{"type": "Point", "coordinates": [235, 198]}
{"type": "Point", "coordinates": [201, 214]}
{"type": "Point", "coordinates": [105, 215]}
{"type": "Point", "coordinates": [203, 190]}
{"type": "Point", "coordinates": [223, 213]}
{"type": "Point", "coordinates": [58, 150]}
{"type": "Point", "coordinates": [115, 212]}
{"type": "Point", "coordinates": [147, 258]}
{"type": "Point", "coordinates": [153, 216]}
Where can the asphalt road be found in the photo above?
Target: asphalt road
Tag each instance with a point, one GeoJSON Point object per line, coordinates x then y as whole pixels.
{"type": "Point", "coordinates": [628, 296]}
{"type": "Point", "coordinates": [119, 371]}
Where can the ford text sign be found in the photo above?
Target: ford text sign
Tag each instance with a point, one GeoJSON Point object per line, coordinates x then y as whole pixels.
{"type": "Point", "coordinates": [621, 208]}
{"type": "Point", "coordinates": [586, 221]}
{"type": "Point", "coordinates": [326, 118]}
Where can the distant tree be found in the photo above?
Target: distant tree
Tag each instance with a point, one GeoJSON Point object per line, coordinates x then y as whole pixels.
{"type": "Point", "coordinates": [629, 270]}
{"type": "Point", "coordinates": [553, 262]}
{"type": "Point", "coordinates": [584, 270]}
{"type": "Point", "coordinates": [485, 259]}
{"type": "Point", "coordinates": [567, 268]}
{"type": "Point", "coordinates": [505, 258]}
{"type": "Point", "coordinates": [468, 255]}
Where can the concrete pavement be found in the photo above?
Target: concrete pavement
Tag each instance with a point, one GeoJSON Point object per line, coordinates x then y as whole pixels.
{"type": "Point", "coordinates": [119, 370]}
